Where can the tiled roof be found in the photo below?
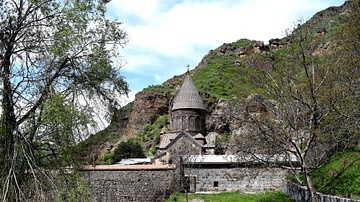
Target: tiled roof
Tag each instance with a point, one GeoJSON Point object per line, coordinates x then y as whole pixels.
{"type": "Point", "coordinates": [166, 139]}
{"type": "Point", "coordinates": [188, 97]}
{"type": "Point", "coordinates": [168, 142]}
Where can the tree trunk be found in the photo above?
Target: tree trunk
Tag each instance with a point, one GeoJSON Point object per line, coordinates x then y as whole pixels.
{"type": "Point", "coordinates": [309, 186]}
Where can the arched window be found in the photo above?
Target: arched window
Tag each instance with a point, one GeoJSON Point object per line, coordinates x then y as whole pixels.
{"type": "Point", "coordinates": [178, 123]}
{"type": "Point", "coordinates": [192, 123]}
{"type": "Point", "coordinates": [197, 123]}
{"type": "Point", "coordinates": [173, 122]}
{"type": "Point", "coordinates": [184, 122]}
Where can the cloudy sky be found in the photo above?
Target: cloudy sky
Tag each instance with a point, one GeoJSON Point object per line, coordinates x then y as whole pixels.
{"type": "Point", "coordinates": [167, 35]}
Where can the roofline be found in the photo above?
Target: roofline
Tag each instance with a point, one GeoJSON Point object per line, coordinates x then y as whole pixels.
{"type": "Point", "coordinates": [183, 133]}
{"type": "Point", "coordinates": [127, 167]}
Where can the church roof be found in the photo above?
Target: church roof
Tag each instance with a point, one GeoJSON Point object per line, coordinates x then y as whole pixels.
{"type": "Point", "coordinates": [188, 97]}
{"type": "Point", "coordinates": [199, 136]}
{"type": "Point", "coordinates": [172, 138]}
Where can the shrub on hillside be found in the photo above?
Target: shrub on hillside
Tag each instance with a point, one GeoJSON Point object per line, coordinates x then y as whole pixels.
{"type": "Point", "coordinates": [128, 149]}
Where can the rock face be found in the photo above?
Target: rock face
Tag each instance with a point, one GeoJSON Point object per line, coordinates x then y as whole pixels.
{"type": "Point", "coordinates": [147, 107]}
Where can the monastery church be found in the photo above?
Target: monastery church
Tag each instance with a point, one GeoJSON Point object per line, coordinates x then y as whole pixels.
{"type": "Point", "coordinates": [188, 135]}
{"type": "Point", "coordinates": [200, 169]}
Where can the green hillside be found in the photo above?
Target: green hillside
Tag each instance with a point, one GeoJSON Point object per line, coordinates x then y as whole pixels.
{"type": "Point", "coordinates": [224, 73]}
{"type": "Point", "coordinates": [340, 176]}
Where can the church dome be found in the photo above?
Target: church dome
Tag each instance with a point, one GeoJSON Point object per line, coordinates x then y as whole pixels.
{"type": "Point", "coordinates": [188, 97]}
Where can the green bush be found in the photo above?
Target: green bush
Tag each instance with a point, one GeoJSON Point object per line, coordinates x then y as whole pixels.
{"type": "Point", "coordinates": [128, 149]}
{"type": "Point", "coordinates": [151, 132]}
{"type": "Point", "coordinates": [106, 159]}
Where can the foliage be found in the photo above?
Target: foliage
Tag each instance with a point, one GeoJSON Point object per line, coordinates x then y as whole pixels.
{"type": "Point", "coordinates": [340, 176]}
{"type": "Point", "coordinates": [88, 148]}
{"type": "Point", "coordinates": [150, 135]}
{"type": "Point", "coordinates": [223, 78]}
{"type": "Point", "coordinates": [273, 196]}
{"type": "Point", "coordinates": [106, 159]}
{"type": "Point", "coordinates": [152, 131]}
{"type": "Point", "coordinates": [310, 116]}
{"type": "Point", "coordinates": [73, 188]}
{"type": "Point", "coordinates": [128, 149]}
{"type": "Point", "coordinates": [57, 62]}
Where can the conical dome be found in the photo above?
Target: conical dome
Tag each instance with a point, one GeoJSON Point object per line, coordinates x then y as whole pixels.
{"type": "Point", "coordinates": [188, 97]}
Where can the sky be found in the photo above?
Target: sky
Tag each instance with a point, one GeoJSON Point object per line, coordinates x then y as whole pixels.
{"type": "Point", "coordinates": [167, 35]}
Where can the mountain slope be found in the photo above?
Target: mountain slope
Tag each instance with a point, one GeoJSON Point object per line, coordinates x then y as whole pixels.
{"type": "Point", "coordinates": [223, 74]}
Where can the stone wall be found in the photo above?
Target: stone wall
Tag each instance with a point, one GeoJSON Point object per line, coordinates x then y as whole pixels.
{"type": "Point", "coordinates": [226, 179]}
{"type": "Point", "coordinates": [140, 184]}
{"type": "Point", "coordinates": [300, 194]}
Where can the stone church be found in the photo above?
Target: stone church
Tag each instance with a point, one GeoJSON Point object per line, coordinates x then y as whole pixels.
{"type": "Point", "coordinates": [201, 170]}
{"type": "Point", "coordinates": [188, 135]}
{"type": "Point", "coordinates": [204, 171]}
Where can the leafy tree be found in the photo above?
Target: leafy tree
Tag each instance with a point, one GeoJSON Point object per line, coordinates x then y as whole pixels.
{"type": "Point", "coordinates": [128, 149]}
{"type": "Point", "coordinates": [56, 57]}
{"type": "Point", "coordinates": [310, 117]}
{"type": "Point", "coordinates": [348, 41]}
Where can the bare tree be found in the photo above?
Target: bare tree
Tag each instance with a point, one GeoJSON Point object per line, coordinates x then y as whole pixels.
{"type": "Point", "coordinates": [306, 116]}
{"type": "Point", "coordinates": [54, 57]}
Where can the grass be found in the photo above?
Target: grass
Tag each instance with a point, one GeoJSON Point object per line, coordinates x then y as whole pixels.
{"type": "Point", "coordinates": [341, 176]}
{"type": "Point", "coordinates": [222, 78]}
{"type": "Point", "coordinates": [270, 196]}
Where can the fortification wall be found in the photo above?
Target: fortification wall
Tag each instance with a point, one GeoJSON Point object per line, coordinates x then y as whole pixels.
{"type": "Point", "coordinates": [244, 179]}
{"type": "Point", "coordinates": [133, 183]}
{"type": "Point", "coordinates": [157, 182]}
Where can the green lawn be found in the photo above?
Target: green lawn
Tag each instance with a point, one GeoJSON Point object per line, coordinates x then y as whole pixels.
{"type": "Point", "coordinates": [271, 196]}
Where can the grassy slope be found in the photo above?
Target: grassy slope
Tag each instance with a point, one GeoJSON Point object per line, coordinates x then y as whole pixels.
{"type": "Point", "coordinates": [273, 196]}
{"type": "Point", "coordinates": [341, 176]}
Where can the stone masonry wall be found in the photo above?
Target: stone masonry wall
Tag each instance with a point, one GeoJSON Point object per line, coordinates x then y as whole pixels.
{"type": "Point", "coordinates": [300, 194]}
{"type": "Point", "coordinates": [130, 185]}
{"type": "Point", "coordinates": [246, 179]}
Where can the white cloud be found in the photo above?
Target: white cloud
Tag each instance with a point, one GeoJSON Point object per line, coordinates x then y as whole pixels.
{"type": "Point", "coordinates": [161, 31]}
{"type": "Point", "coordinates": [136, 61]}
{"type": "Point", "coordinates": [174, 32]}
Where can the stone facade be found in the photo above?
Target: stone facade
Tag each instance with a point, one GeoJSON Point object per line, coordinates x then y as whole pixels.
{"type": "Point", "coordinates": [149, 183]}
{"type": "Point", "coordinates": [124, 184]}
{"type": "Point", "coordinates": [190, 120]}
{"type": "Point", "coordinates": [226, 178]}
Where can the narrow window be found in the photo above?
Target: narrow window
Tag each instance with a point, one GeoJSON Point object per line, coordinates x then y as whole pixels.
{"type": "Point", "coordinates": [192, 123]}
{"type": "Point", "coordinates": [216, 184]}
{"type": "Point", "coordinates": [197, 123]}
{"type": "Point", "coordinates": [178, 123]}
{"type": "Point", "coordinates": [184, 122]}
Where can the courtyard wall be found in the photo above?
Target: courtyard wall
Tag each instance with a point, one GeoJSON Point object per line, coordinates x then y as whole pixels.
{"type": "Point", "coordinates": [130, 183]}
{"type": "Point", "coordinates": [227, 179]}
